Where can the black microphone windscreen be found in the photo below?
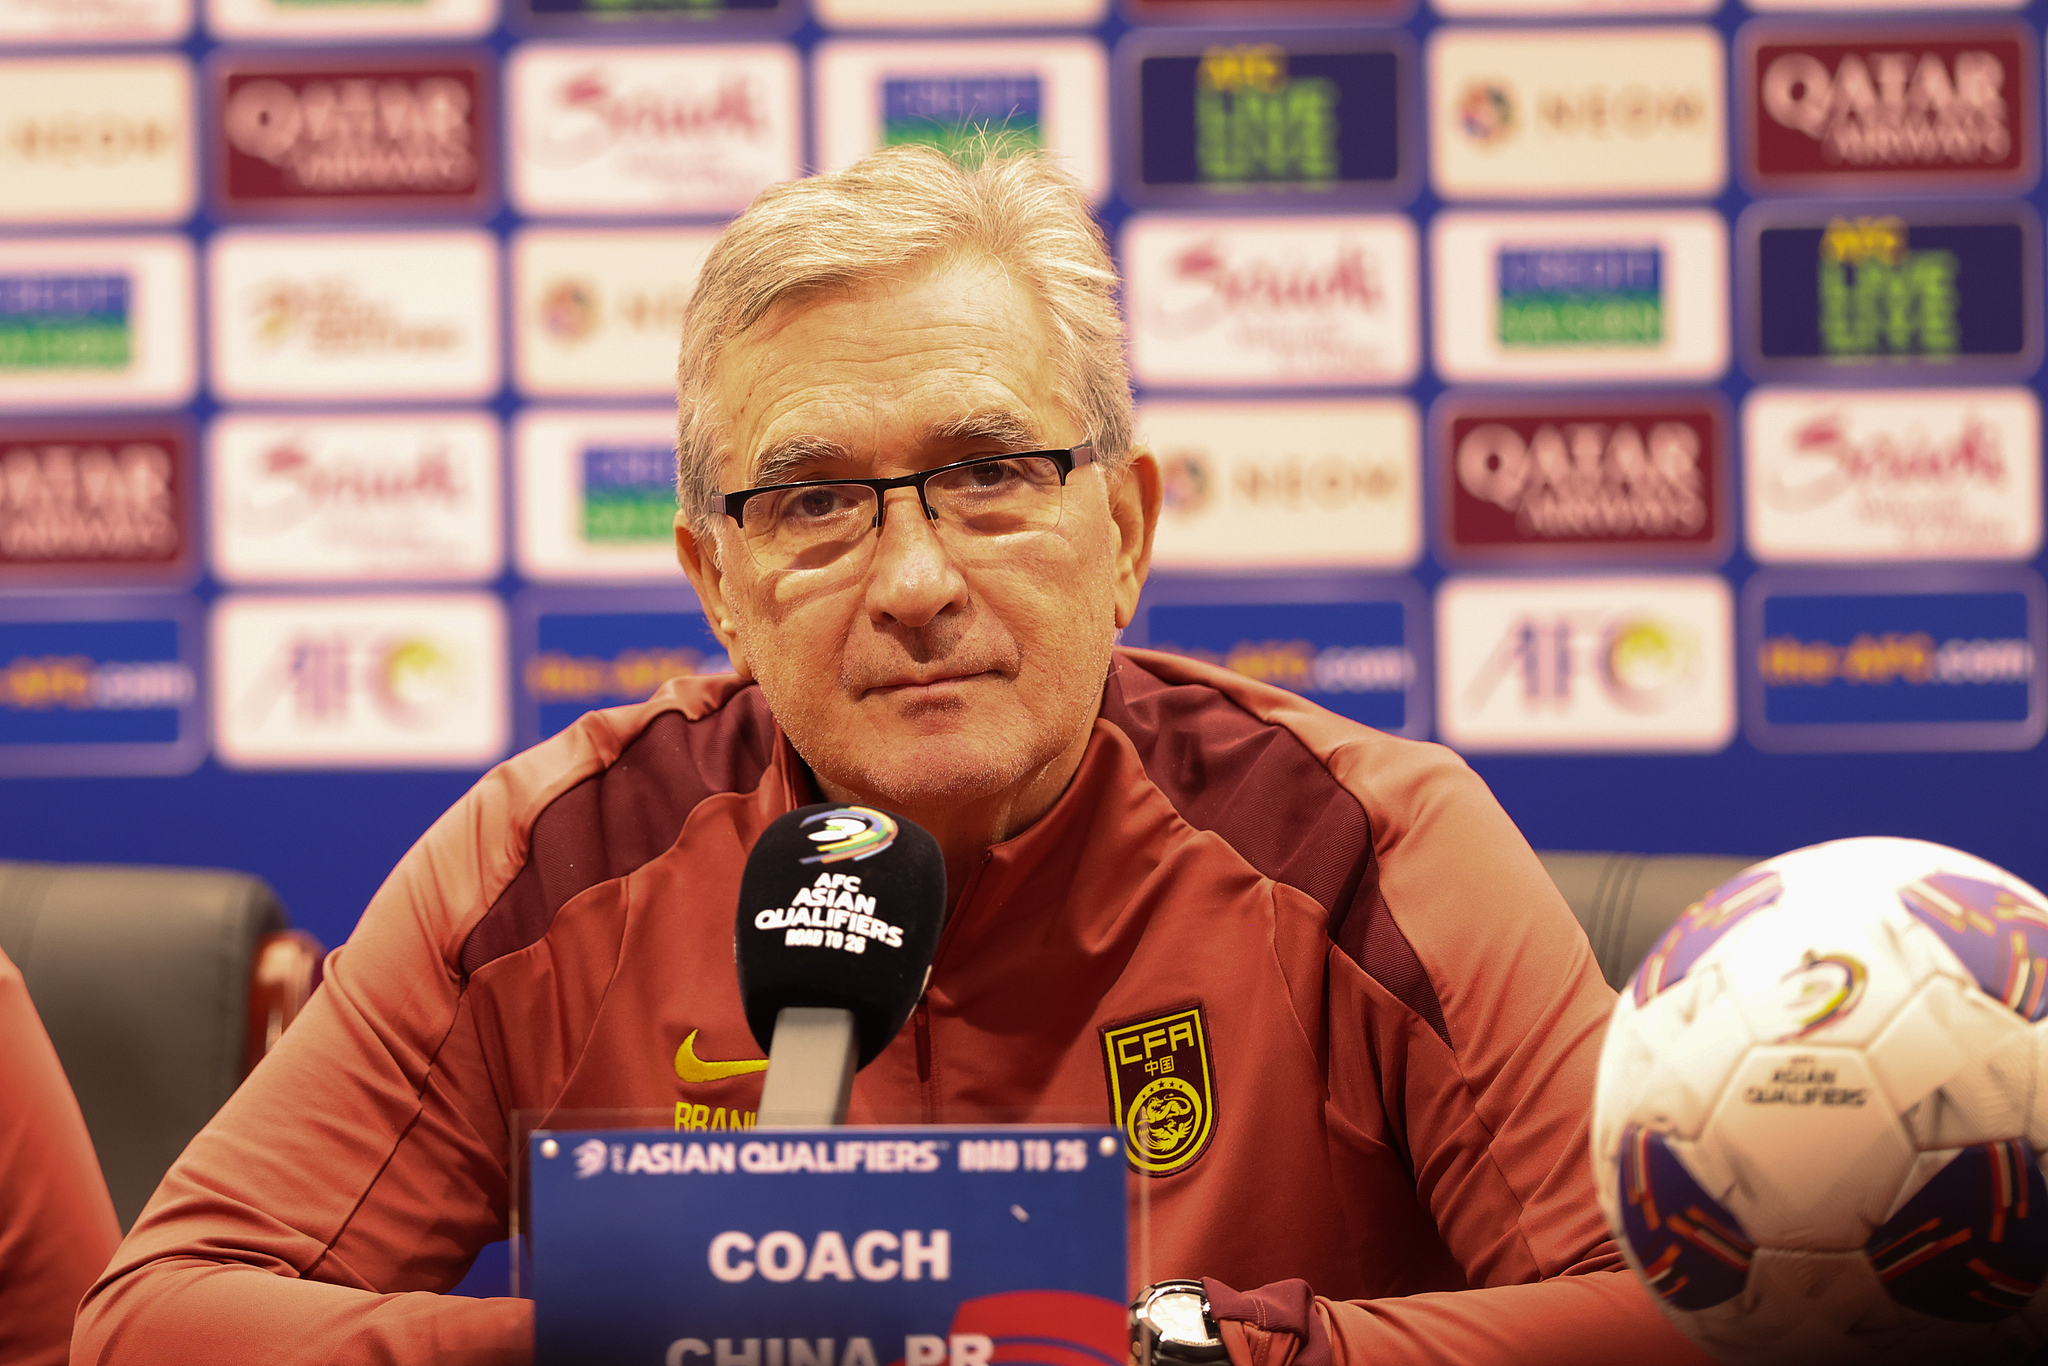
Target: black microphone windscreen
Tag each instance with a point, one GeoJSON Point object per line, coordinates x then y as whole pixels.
{"type": "Point", "coordinates": [840, 906]}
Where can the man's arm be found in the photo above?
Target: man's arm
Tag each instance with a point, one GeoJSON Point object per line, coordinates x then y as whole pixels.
{"type": "Point", "coordinates": [1466, 1013]}
{"type": "Point", "coordinates": [363, 1163]}
{"type": "Point", "coordinates": [57, 1225]}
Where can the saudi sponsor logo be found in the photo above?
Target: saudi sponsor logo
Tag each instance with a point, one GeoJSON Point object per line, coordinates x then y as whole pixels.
{"type": "Point", "coordinates": [1886, 660]}
{"type": "Point", "coordinates": [629, 494]}
{"type": "Point", "coordinates": [1592, 295]}
{"type": "Point", "coordinates": [1846, 474]}
{"type": "Point", "coordinates": [65, 322]}
{"type": "Point", "coordinates": [1541, 297]}
{"type": "Point", "coordinates": [1243, 116]}
{"type": "Point", "coordinates": [1286, 483]}
{"type": "Point", "coordinates": [322, 498]}
{"type": "Point", "coordinates": [1854, 107]}
{"type": "Point", "coordinates": [950, 112]}
{"type": "Point", "coordinates": [982, 14]}
{"type": "Point", "coordinates": [649, 9]}
{"type": "Point", "coordinates": [1637, 663]}
{"type": "Point", "coordinates": [1352, 657]}
{"type": "Point", "coordinates": [79, 498]}
{"type": "Point", "coordinates": [1271, 302]}
{"type": "Point", "coordinates": [1624, 475]}
{"type": "Point", "coordinates": [98, 685]}
{"type": "Point", "coordinates": [595, 498]}
{"type": "Point", "coordinates": [333, 134]}
{"type": "Point", "coordinates": [1048, 93]}
{"type": "Point", "coordinates": [644, 129]}
{"type": "Point", "coordinates": [387, 682]}
{"type": "Point", "coordinates": [1900, 288]}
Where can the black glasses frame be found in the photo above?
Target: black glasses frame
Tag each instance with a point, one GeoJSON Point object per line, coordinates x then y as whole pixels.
{"type": "Point", "coordinates": [733, 505]}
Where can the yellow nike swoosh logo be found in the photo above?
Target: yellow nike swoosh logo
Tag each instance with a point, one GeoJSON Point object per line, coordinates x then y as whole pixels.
{"type": "Point", "coordinates": [689, 1067]}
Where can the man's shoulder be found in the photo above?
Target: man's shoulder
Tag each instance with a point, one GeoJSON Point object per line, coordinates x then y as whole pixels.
{"type": "Point", "coordinates": [1202, 727]}
{"type": "Point", "coordinates": [602, 797]}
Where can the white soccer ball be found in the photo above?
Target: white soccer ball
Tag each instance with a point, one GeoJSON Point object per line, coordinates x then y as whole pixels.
{"type": "Point", "coordinates": [1819, 1115]}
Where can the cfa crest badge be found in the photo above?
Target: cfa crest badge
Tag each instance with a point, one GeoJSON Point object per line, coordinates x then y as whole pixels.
{"type": "Point", "coordinates": [1162, 1088]}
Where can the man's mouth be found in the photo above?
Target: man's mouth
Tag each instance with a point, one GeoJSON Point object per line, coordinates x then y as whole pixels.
{"type": "Point", "coordinates": [934, 685]}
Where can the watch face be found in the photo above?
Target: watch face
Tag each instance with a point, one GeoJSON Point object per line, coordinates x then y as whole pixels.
{"type": "Point", "coordinates": [1178, 1318]}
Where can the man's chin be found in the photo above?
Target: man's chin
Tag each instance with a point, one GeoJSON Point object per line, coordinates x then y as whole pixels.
{"type": "Point", "coordinates": [929, 778]}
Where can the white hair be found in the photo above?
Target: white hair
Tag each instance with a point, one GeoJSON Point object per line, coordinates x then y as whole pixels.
{"type": "Point", "coordinates": [893, 210]}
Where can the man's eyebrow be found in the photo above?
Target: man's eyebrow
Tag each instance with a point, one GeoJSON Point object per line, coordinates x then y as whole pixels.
{"type": "Point", "coordinates": [997, 426]}
{"type": "Point", "coordinates": [793, 453]}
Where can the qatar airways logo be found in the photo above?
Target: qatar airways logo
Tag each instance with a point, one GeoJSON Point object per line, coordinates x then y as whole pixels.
{"type": "Point", "coordinates": [1916, 474]}
{"type": "Point", "coordinates": [672, 129]}
{"type": "Point", "coordinates": [1279, 302]}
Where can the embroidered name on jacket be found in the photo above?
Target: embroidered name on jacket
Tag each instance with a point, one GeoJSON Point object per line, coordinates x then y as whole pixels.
{"type": "Point", "coordinates": [1162, 1088]}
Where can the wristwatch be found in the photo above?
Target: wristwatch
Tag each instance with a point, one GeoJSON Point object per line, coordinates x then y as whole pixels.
{"type": "Point", "coordinates": [1171, 1326]}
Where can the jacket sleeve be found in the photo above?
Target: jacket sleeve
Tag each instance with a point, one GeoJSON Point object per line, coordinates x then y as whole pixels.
{"type": "Point", "coordinates": [57, 1225]}
{"type": "Point", "coordinates": [1466, 1013]}
{"type": "Point", "coordinates": [358, 1169]}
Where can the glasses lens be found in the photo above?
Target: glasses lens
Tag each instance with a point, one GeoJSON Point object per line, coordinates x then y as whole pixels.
{"type": "Point", "coordinates": [805, 528]}
{"type": "Point", "coordinates": [999, 497]}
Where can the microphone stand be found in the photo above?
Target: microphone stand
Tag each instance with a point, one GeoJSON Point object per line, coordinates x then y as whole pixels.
{"type": "Point", "coordinates": [811, 1063]}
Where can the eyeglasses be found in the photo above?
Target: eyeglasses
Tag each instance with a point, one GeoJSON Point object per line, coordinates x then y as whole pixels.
{"type": "Point", "coordinates": [810, 524]}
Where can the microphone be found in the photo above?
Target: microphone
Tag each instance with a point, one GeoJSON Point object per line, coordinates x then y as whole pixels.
{"type": "Point", "coordinates": [839, 916]}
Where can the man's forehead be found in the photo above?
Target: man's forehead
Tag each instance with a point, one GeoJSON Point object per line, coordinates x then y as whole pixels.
{"type": "Point", "coordinates": [936, 439]}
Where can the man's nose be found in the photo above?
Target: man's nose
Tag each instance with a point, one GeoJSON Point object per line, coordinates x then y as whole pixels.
{"type": "Point", "coordinates": [913, 579]}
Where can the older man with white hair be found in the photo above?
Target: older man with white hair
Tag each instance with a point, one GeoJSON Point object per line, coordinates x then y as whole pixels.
{"type": "Point", "coordinates": [911, 508]}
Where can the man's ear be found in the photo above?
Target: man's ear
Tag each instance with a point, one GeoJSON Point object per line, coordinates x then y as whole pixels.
{"type": "Point", "coordinates": [699, 558]}
{"type": "Point", "coordinates": [1134, 498]}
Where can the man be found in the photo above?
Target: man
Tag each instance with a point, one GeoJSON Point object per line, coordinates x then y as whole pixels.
{"type": "Point", "coordinates": [1383, 1020]}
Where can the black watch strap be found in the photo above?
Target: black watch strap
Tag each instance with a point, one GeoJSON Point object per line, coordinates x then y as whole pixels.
{"type": "Point", "coordinates": [1171, 1325]}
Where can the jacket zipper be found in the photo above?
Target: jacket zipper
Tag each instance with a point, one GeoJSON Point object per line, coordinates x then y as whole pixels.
{"type": "Point", "coordinates": [921, 1017]}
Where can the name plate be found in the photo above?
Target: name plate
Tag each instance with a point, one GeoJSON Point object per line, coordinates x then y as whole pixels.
{"type": "Point", "coordinates": [828, 1247]}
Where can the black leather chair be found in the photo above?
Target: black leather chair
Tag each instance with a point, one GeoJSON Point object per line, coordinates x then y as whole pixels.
{"type": "Point", "coordinates": [1625, 901]}
{"type": "Point", "coordinates": [160, 988]}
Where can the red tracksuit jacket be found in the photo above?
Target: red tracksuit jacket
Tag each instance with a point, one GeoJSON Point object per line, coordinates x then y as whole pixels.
{"type": "Point", "coordinates": [1384, 1017]}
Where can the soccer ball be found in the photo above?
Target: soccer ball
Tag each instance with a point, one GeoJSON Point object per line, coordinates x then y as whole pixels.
{"type": "Point", "coordinates": [1819, 1112]}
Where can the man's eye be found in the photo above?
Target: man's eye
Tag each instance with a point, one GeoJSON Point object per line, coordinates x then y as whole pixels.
{"type": "Point", "coordinates": [811, 505]}
{"type": "Point", "coordinates": [991, 475]}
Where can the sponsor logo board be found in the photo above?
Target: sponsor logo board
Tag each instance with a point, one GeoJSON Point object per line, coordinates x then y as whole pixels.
{"type": "Point", "coordinates": [596, 497]}
{"type": "Point", "coordinates": [1550, 9]}
{"type": "Point", "coordinates": [1614, 476]}
{"type": "Point", "coordinates": [1606, 113]}
{"type": "Point", "coordinates": [950, 14]}
{"type": "Point", "coordinates": [581, 652]}
{"type": "Point", "coordinates": [289, 20]}
{"type": "Point", "coordinates": [1895, 660]}
{"type": "Point", "coordinates": [1881, 6]}
{"type": "Point", "coordinates": [94, 21]}
{"type": "Point", "coordinates": [355, 315]}
{"type": "Point", "coordinates": [1857, 109]}
{"type": "Point", "coordinates": [1271, 303]}
{"type": "Point", "coordinates": [99, 139]}
{"type": "Point", "coordinates": [376, 134]}
{"type": "Point", "coordinates": [1355, 655]}
{"type": "Point", "coordinates": [100, 686]}
{"type": "Point", "coordinates": [673, 130]}
{"type": "Point", "coordinates": [1532, 297]}
{"type": "Point", "coordinates": [612, 13]}
{"type": "Point", "coordinates": [312, 498]}
{"type": "Point", "coordinates": [1903, 474]}
{"type": "Point", "coordinates": [1586, 664]}
{"type": "Point", "coordinates": [388, 681]}
{"type": "Point", "coordinates": [601, 311]}
{"type": "Point", "coordinates": [92, 500]}
{"type": "Point", "coordinates": [1929, 290]}
{"type": "Point", "coordinates": [1256, 116]}
{"type": "Point", "coordinates": [1293, 484]}
{"type": "Point", "coordinates": [96, 322]}
{"type": "Point", "coordinates": [1050, 93]}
